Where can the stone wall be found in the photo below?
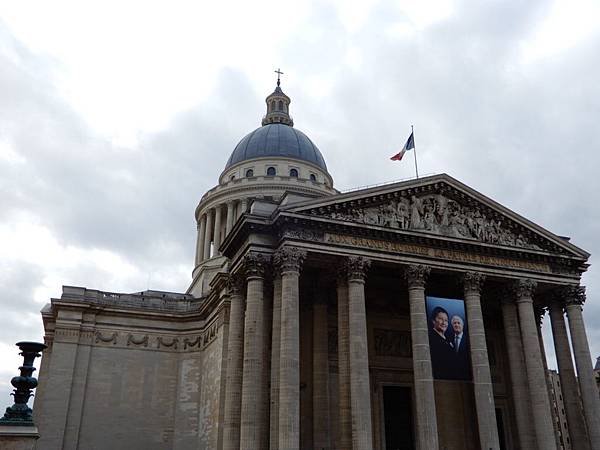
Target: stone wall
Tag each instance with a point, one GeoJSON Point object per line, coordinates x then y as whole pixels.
{"type": "Point", "coordinates": [210, 413]}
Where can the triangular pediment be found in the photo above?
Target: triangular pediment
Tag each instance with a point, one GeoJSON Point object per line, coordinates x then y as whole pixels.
{"type": "Point", "coordinates": [438, 206]}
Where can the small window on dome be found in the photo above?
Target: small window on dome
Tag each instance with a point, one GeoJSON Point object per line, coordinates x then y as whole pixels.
{"type": "Point", "coordinates": [271, 171]}
{"type": "Point", "coordinates": [294, 173]}
{"type": "Point", "coordinates": [232, 177]}
{"type": "Point", "coordinates": [249, 173]}
{"type": "Point", "coordinates": [313, 177]}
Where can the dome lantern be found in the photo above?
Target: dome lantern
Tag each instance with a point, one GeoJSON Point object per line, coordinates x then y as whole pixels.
{"type": "Point", "coordinates": [278, 106]}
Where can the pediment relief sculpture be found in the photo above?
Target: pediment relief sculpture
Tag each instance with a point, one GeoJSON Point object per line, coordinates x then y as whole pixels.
{"type": "Point", "coordinates": [440, 215]}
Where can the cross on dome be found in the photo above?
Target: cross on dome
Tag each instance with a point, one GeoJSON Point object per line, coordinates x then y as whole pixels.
{"type": "Point", "coordinates": [278, 72]}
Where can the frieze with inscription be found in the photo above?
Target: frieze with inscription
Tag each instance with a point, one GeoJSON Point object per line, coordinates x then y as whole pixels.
{"type": "Point", "coordinates": [438, 214]}
{"type": "Point", "coordinates": [448, 254]}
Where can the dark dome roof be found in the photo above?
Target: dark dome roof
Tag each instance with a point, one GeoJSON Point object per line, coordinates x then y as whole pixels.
{"type": "Point", "coordinates": [276, 140]}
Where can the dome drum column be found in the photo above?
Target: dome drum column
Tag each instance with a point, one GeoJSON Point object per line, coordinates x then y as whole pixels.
{"type": "Point", "coordinates": [217, 231]}
{"type": "Point", "coordinates": [200, 241]}
{"type": "Point", "coordinates": [208, 234]}
{"type": "Point", "coordinates": [229, 219]}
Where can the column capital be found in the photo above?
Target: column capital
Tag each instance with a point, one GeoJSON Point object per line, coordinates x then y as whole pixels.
{"type": "Point", "coordinates": [255, 264]}
{"type": "Point", "coordinates": [524, 289]}
{"type": "Point", "coordinates": [573, 295]}
{"type": "Point", "coordinates": [473, 282]}
{"type": "Point", "coordinates": [416, 275]}
{"type": "Point", "coordinates": [289, 259]}
{"type": "Point", "coordinates": [235, 284]}
{"type": "Point", "coordinates": [357, 267]}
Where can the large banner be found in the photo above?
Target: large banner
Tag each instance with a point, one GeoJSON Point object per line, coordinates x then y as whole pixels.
{"type": "Point", "coordinates": [448, 339]}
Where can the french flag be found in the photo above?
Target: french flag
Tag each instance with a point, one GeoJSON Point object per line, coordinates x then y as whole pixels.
{"type": "Point", "coordinates": [410, 144]}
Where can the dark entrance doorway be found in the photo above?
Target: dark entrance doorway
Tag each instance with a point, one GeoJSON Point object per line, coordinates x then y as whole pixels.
{"type": "Point", "coordinates": [397, 411]}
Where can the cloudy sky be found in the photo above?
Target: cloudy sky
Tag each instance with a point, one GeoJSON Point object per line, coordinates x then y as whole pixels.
{"type": "Point", "coordinates": [115, 117]}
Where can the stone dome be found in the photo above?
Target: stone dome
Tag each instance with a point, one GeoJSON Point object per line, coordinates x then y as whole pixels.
{"type": "Point", "coordinates": [276, 140]}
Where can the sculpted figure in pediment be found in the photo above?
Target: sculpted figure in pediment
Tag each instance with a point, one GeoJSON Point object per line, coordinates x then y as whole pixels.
{"type": "Point", "coordinates": [437, 214]}
{"type": "Point", "coordinates": [403, 214]}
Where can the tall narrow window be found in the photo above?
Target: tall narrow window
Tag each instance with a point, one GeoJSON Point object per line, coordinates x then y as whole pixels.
{"type": "Point", "coordinates": [280, 105]}
{"type": "Point", "coordinates": [271, 171]}
{"type": "Point", "coordinates": [273, 106]}
{"type": "Point", "coordinates": [294, 173]}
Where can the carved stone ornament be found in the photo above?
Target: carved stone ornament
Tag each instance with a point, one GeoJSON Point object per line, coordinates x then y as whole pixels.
{"type": "Point", "coordinates": [573, 295]}
{"type": "Point", "coordinates": [524, 289]}
{"type": "Point", "coordinates": [289, 259]}
{"type": "Point", "coordinates": [441, 215]}
{"type": "Point", "coordinates": [473, 281]}
{"type": "Point", "coordinates": [304, 235]}
{"type": "Point", "coordinates": [190, 343]}
{"type": "Point", "coordinates": [255, 264]}
{"type": "Point", "coordinates": [132, 340]}
{"type": "Point", "coordinates": [112, 338]}
{"type": "Point", "coordinates": [416, 275]}
{"type": "Point", "coordinates": [235, 284]}
{"type": "Point", "coordinates": [167, 342]}
{"type": "Point", "coordinates": [357, 267]}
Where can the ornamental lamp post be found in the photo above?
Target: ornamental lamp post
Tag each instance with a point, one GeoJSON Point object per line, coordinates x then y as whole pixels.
{"type": "Point", "coordinates": [20, 413]}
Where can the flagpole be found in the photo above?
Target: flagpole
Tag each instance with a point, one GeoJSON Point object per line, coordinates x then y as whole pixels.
{"type": "Point", "coordinates": [412, 131]}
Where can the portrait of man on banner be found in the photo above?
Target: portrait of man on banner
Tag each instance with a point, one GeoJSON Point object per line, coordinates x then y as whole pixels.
{"type": "Point", "coordinates": [448, 339]}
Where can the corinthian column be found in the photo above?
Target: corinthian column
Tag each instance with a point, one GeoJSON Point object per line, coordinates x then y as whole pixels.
{"type": "Point", "coordinates": [575, 297]}
{"type": "Point", "coordinates": [427, 434]}
{"type": "Point", "coordinates": [518, 375]}
{"type": "Point", "coordinates": [289, 260]}
{"type": "Point", "coordinates": [345, 438]}
{"type": "Point", "coordinates": [275, 362]}
{"type": "Point", "coordinates": [235, 355]}
{"type": "Point", "coordinates": [482, 378]}
{"type": "Point", "coordinates": [536, 376]}
{"type": "Point", "coordinates": [568, 380]}
{"type": "Point", "coordinates": [253, 384]}
{"type": "Point", "coordinates": [320, 370]}
{"type": "Point", "coordinates": [360, 387]}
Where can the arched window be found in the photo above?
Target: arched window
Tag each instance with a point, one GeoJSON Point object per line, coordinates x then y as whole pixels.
{"type": "Point", "coordinates": [249, 173]}
{"type": "Point", "coordinates": [272, 105]}
{"type": "Point", "coordinates": [294, 173]}
{"type": "Point", "coordinates": [232, 177]}
{"type": "Point", "coordinates": [271, 171]}
{"type": "Point", "coordinates": [280, 105]}
{"type": "Point", "coordinates": [313, 177]}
